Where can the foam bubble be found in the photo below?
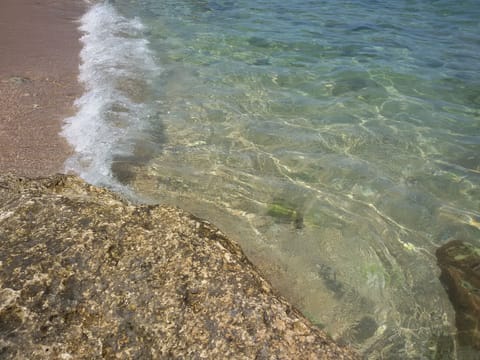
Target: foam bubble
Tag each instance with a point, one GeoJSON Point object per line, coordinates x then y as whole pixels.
{"type": "Point", "coordinates": [116, 70]}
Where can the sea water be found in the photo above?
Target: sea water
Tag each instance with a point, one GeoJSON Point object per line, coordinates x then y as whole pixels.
{"type": "Point", "coordinates": [337, 141]}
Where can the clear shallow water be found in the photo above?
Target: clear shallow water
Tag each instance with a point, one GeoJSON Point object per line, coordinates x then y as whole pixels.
{"type": "Point", "coordinates": [337, 142]}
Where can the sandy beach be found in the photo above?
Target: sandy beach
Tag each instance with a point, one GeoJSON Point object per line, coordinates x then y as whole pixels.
{"type": "Point", "coordinates": [39, 47]}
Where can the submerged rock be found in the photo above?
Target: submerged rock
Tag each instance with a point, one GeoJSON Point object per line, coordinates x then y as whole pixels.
{"type": "Point", "coordinates": [87, 275]}
{"type": "Point", "coordinates": [460, 265]}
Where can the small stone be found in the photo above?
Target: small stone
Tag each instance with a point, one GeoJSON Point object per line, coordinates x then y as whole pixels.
{"type": "Point", "coordinates": [18, 80]}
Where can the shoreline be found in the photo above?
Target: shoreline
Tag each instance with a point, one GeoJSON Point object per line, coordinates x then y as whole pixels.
{"type": "Point", "coordinates": [40, 46]}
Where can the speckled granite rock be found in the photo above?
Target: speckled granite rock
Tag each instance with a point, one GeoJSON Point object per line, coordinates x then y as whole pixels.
{"type": "Point", "coordinates": [86, 275]}
{"type": "Point", "coordinates": [460, 265]}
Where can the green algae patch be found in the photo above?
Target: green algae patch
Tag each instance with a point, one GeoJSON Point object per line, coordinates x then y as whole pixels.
{"type": "Point", "coordinates": [376, 275]}
{"type": "Point", "coordinates": [281, 212]}
{"type": "Point", "coordinates": [285, 212]}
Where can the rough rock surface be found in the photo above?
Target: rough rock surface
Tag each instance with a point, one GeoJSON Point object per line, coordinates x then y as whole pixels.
{"type": "Point", "coordinates": [87, 275]}
{"type": "Point", "coordinates": [460, 265]}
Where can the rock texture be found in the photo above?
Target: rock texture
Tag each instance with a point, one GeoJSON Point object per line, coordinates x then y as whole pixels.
{"type": "Point", "coordinates": [87, 275]}
{"type": "Point", "coordinates": [460, 265]}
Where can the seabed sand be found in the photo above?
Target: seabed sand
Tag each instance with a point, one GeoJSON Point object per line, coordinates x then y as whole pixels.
{"type": "Point", "coordinates": [39, 58]}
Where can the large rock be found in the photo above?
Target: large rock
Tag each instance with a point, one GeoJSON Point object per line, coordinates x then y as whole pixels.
{"type": "Point", "coordinates": [87, 275]}
{"type": "Point", "coordinates": [460, 265]}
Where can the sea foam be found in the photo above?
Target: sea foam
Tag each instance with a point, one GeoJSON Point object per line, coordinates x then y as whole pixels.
{"type": "Point", "coordinates": [116, 70]}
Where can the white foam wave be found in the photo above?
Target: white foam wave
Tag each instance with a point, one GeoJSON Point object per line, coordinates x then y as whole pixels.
{"type": "Point", "coordinates": [116, 68]}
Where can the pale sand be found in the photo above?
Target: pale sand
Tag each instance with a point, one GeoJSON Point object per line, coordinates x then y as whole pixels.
{"type": "Point", "coordinates": [39, 58]}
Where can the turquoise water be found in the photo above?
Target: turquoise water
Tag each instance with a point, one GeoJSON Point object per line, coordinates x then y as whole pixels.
{"type": "Point", "coordinates": [337, 141]}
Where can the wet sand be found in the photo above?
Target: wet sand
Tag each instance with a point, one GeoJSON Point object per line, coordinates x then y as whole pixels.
{"type": "Point", "coordinates": [39, 58]}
